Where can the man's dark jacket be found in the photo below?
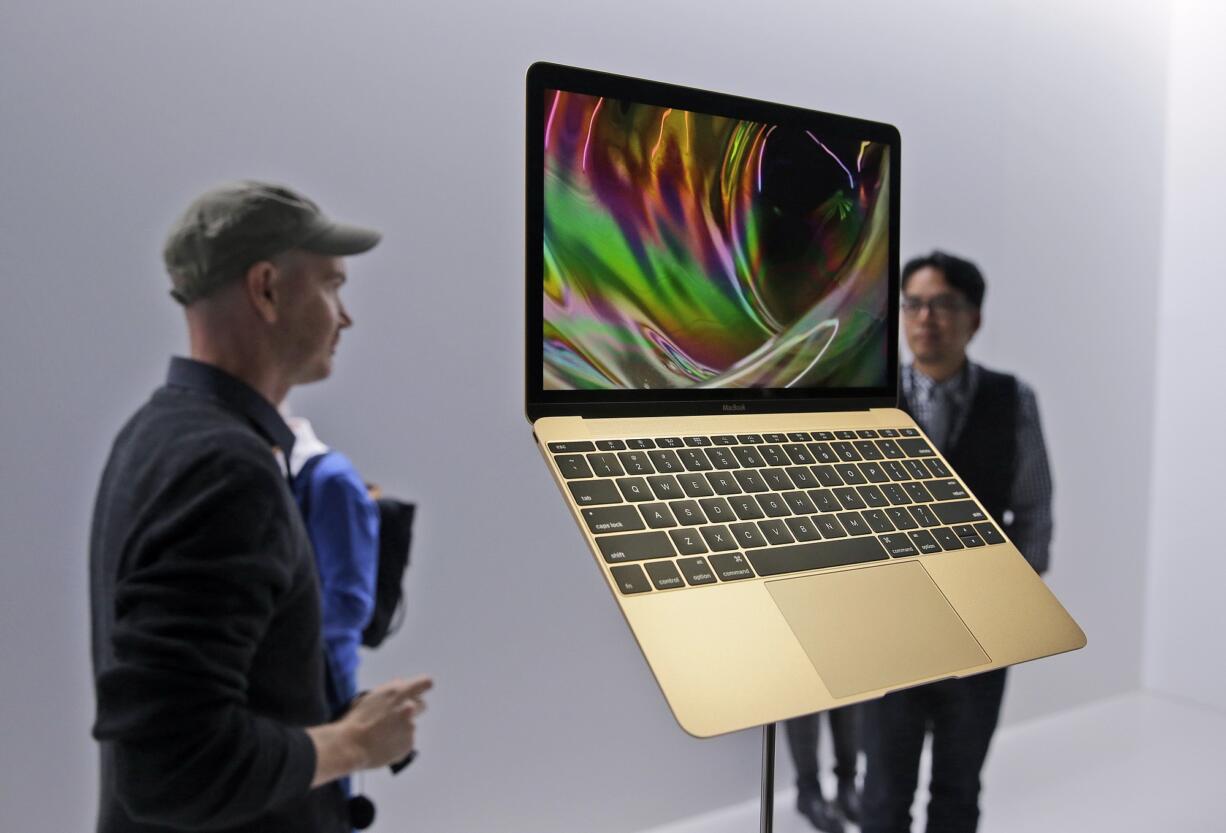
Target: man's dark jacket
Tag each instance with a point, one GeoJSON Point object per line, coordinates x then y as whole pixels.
{"type": "Point", "coordinates": [206, 625]}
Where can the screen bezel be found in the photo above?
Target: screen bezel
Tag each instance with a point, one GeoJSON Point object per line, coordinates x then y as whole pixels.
{"type": "Point", "coordinates": [613, 403]}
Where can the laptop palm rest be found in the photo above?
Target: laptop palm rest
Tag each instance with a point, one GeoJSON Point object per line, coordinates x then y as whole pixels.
{"type": "Point", "coordinates": [877, 627]}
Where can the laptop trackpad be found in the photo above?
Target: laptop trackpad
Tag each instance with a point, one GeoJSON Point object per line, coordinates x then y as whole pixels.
{"type": "Point", "coordinates": [876, 627]}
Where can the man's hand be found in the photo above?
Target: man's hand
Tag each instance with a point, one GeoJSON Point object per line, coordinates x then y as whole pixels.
{"type": "Point", "coordinates": [376, 731]}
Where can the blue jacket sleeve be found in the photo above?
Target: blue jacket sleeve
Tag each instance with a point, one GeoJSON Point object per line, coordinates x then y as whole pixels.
{"type": "Point", "coordinates": [344, 529]}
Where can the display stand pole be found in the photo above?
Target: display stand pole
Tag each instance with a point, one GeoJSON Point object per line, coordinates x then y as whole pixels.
{"type": "Point", "coordinates": [768, 777]}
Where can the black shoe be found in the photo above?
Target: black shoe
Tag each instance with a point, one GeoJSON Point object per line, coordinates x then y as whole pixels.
{"type": "Point", "coordinates": [849, 800]}
{"type": "Point", "coordinates": [818, 811]}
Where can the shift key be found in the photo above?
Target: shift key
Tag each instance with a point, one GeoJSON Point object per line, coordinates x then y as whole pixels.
{"type": "Point", "coordinates": [958, 512]}
{"type": "Point", "coordinates": [638, 546]}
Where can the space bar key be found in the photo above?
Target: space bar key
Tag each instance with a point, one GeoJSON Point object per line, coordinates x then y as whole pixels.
{"type": "Point", "coordinates": [816, 555]}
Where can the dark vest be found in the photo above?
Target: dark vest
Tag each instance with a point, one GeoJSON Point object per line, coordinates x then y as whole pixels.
{"type": "Point", "coordinates": [985, 452]}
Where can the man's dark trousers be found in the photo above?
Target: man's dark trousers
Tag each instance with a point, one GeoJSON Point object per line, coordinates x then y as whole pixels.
{"type": "Point", "coordinates": [963, 715]}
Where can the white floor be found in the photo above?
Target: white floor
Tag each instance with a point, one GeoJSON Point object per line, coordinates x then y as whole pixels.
{"type": "Point", "coordinates": [1142, 762]}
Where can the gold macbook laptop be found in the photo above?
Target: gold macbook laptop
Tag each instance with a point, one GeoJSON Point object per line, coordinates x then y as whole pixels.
{"type": "Point", "coordinates": [712, 378]}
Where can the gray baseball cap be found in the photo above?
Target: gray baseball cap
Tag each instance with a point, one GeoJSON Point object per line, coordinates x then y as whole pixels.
{"type": "Point", "coordinates": [232, 226]}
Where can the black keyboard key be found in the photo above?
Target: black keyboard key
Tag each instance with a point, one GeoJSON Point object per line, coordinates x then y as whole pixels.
{"type": "Point", "coordinates": [853, 523]}
{"type": "Point", "coordinates": [924, 516]}
{"type": "Point", "coordinates": [773, 505]}
{"type": "Point", "coordinates": [918, 493]}
{"type": "Point", "coordinates": [611, 445]}
{"type": "Point", "coordinates": [803, 529]}
{"type": "Point", "coordinates": [824, 500]}
{"type": "Point", "coordinates": [816, 555]}
{"type": "Point", "coordinates": [827, 476]}
{"type": "Point", "coordinates": [938, 468]}
{"type": "Point", "coordinates": [897, 544]}
{"type": "Point", "coordinates": [775, 532]}
{"type": "Point", "coordinates": [746, 508]}
{"type": "Point", "coordinates": [571, 447]}
{"type": "Point", "coordinates": [947, 539]}
{"type": "Point", "coordinates": [687, 541]}
{"type": "Point", "coordinates": [637, 546]}
{"type": "Point", "coordinates": [964, 530]}
{"type": "Point", "coordinates": [605, 465]}
{"type": "Point", "coordinates": [872, 496]}
{"type": "Point", "coordinates": [731, 566]}
{"type": "Point", "coordinates": [612, 519]}
{"type": "Point", "coordinates": [635, 462]}
{"type": "Point", "coordinates": [696, 571]}
{"type": "Point", "coordinates": [747, 535]}
{"type": "Point", "coordinates": [773, 455]}
{"type": "Point", "coordinates": [799, 454]}
{"type": "Point", "coordinates": [973, 541]}
{"type": "Point", "coordinates": [916, 448]}
{"type": "Point", "coordinates": [851, 474]}
{"type": "Point", "coordinates": [630, 578]}
{"type": "Point", "coordinates": [640, 444]}
{"type": "Point", "coordinates": [888, 432]}
{"type": "Point", "coordinates": [867, 434]}
{"type": "Point", "coordinates": [910, 432]}
{"type": "Point", "coordinates": [718, 538]}
{"type": "Point", "coordinates": [664, 575]}
{"type": "Point", "coordinates": [901, 518]}
{"type": "Point", "coordinates": [657, 515]}
{"type": "Point", "coordinates": [697, 442]}
{"type": "Point", "coordinates": [829, 526]}
{"type": "Point", "coordinates": [878, 521]}
{"type": "Point", "coordinates": [750, 481]}
{"type": "Point", "coordinates": [748, 457]}
{"type": "Point", "coordinates": [845, 452]}
{"type": "Point", "coordinates": [775, 438]}
{"type": "Point", "coordinates": [947, 489]}
{"type": "Point", "coordinates": [724, 439]}
{"type": "Point", "coordinates": [634, 489]}
{"type": "Point", "coordinates": [895, 494]}
{"type": "Point", "coordinates": [749, 439]}
{"type": "Point", "coordinates": [849, 497]}
{"type": "Point", "coordinates": [717, 510]}
{"type": "Point", "coordinates": [989, 534]}
{"type": "Point", "coordinates": [896, 470]}
{"type": "Point", "coordinates": [845, 435]}
{"type": "Point", "coordinates": [723, 483]}
{"type": "Point", "coordinates": [868, 450]}
{"type": "Point", "coordinates": [695, 485]}
{"type": "Point", "coordinates": [722, 458]}
{"type": "Point", "coordinates": [917, 468]}
{"type": "Point", "coordinates": [873, 472]}
{"type": "Point", "coordinates": [687, 513]}
{"type": "Point", "coordinates": [572, 466]}
{"type": "Point", "coordinates": [823, 436]}
{"type": "Point", "coordinates": [664, 486]}
{"type": "Point", "coordinates": [777, 479]}
{"type": "Point", "coordinates": [799, 436]}
{"type": "Point", "coordinates": [924, 542]}
{"type": "Point", "coordinates": [594, 492]}
{"type": "Point", "coordinates": [802, 478]}
{"type": "Point", "coordinates": [669, 442]}
{"type": "Point", "coordinates": [799, 503]}
{"type": "Point", "coordinates": [890, 449]}
{"type": "Point", "coordinates": [695, 459]}
{"type": "Point", "coordinates": [665, 460]}
{"type": "Point", "coordinates": [958, 512]}
{"type": "Point", "coordinates": [822, 452]}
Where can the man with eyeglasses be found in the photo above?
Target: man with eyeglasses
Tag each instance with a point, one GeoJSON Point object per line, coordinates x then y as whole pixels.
{"type": "Point", "coordinates": [987, 425]}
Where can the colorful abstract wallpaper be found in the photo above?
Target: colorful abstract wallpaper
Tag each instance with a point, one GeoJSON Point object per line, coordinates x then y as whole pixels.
{"type": "Point", "coordinates": [686, 250]}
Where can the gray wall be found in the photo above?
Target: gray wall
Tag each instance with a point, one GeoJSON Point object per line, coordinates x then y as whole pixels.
{"type": "Point", "coordinates": [1033, 142]}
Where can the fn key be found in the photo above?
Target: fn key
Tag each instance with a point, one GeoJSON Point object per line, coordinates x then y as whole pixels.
{"type": "Point", "coordinates": [630, 578]}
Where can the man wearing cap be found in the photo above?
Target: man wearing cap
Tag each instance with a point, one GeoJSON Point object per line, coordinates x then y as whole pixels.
{"type": "Point", "coordinates": [208, 665]}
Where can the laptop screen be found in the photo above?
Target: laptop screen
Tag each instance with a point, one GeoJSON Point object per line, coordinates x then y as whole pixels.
{"type": "Point", "coordinates": [704, 248]}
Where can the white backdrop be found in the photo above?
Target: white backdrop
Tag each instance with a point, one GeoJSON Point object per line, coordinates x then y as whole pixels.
{"type": "Point", "coordinates": [1033, 142]}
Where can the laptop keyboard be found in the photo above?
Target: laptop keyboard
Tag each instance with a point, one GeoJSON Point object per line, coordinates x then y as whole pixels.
{"type": "Point", "coordinates": [674, 512]}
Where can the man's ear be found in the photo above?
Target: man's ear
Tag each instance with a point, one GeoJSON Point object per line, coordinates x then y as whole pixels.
{"type": "Point", "coordinates": [262, 286]}
{"type": "Point", "coordinates": [976, 321]}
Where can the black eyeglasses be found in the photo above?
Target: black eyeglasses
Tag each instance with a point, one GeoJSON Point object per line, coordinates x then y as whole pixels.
{"type": "Point", "coordinates": [941, 306]}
